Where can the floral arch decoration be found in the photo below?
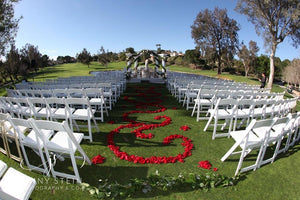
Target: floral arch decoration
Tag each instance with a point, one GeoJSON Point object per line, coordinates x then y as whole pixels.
{"type": "Point", "coordinates": [149, 55]}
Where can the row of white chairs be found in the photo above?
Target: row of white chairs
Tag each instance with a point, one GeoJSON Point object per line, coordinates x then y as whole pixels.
{"type": "Point", "coordinates": [72, 110]}
{"type": "Point", "coordinates": [230, 110]}
{"type": "Point", "coordinates": [179, 88]}
{"type": "Point", "coordinates": [103, 93]}
{"type": "Point", "coordinates": [15, 185]}
{"type": "Point", "coordinates": [206, 98]}
{"type": "Point", "coordinates": [276, 134]}
{"type": "Point", "coordinates": [115, 89]}
{"type": "Point", "coordinates": [182, 91]}
{"type": "Point", "coordinates": [193, 96]}
{"type": "Point", "coordinates": [115, 78]}
{"type": "Point", "coordinates": [50, 140]}
{"type": "Point", "coordinates": [179, 82]}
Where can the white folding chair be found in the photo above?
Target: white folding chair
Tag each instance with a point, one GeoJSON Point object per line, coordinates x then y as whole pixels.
{"type": "Point", "coordinates": [205, 100]}
{"type": "Point", "coordinates": [40, 103]}
{"type": "Point", "coordinates": [190, 95]}
{"type": "Point", "coordinates": [64, 143]}
{"type": "Point", "coordinates": [83, 112]}
{"type": "Point", "coordinates": [57, 108]}
{"type": "Point", "coordinates": [107, 93]}
{"type": "Point", "coordinates": [32, 141]}
{"type": "Point", "coordinates": [281, 128]}
{"type": "Point", "coordinates": [10, 136]}
{"type": "Point", "coordinates": [278, 108]}
{"type": "Point", "coordinates": [243, 112]}
{"type": "Point", "coordinates": [97, 100]}
{"type": "Point", "coordinates": [13, 106]}
{"type": "Point", "coordinates": [25, 110]}
{"type": "Point", "coordinates": [15, 185]}
{"type": "Point", "coordinates": [269, 109]}
{"type": "Point", "coordinates": [295, 135]}
{"type": "Point", "coordinates": [248, 140]}
{"type": "Point", "coordinates": [3, 134]}
{"type": "Point", "coordinates": [259, 109]}
{"type": "Point", "coordinates": [224, 109]}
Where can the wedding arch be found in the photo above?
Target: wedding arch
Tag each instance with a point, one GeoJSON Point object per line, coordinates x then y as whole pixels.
{"type": "Point", "coordinates": [146, 71]}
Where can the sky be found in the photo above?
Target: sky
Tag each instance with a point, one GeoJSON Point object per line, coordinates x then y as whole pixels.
{"type": "Point", "coordinates": [65, 27]}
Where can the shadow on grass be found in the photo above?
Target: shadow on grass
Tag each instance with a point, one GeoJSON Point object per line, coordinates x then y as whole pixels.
{"type": "Point", "coordinates": [120, 174]}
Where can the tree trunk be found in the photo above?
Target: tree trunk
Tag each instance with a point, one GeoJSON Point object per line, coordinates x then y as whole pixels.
{"type": "Point", "coordinates": [219, 66]}
{"type": "Point", "coordinates": [246, 68]}
{"type": "Point", "coordinates": [272, 67]}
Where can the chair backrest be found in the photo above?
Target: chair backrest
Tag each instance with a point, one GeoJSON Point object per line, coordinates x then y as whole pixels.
{"type": "Point", "coordinates": [46, 93]}
{"type": "Point", "coordinates": [283, 124]}
{"type": "Point", "coordinates": [4, 117]}
{"type": "Point", "coordinates": [259, 103]}
{"type": "Point", "coordinates": [226, 104]}
{"type": "Point", "coordinates": [6, 105]}
{"type": "Point", "coordinates": [55, 102]}
{"type": "Point", "coordinates": [78, 103]}
{"type": "Point", "coordinates": [75, 92]}
{"type": "Point", "coordinates": [207, 93]}
{"type": "Point", "coordinates": [16, 123]}
{"type": "Point", "coordinates": [40, 103]}
{"type": "Point", "coordinates": [93, 92]}
{"type": "Point", "coordinates": [245, 103]}
{"type": "Point", "coordinates": [223, 94]}
{"type": "Point", "coordinates": [262, 128]}
{"type": "Point", "coordinates": [12, 93]}
{"type": "Point", "coordinates": [60, 93]}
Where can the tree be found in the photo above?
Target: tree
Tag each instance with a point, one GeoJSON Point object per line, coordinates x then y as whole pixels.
{"type": "Point", "coordinates": [192, 56]}
{"type": "Point", "coordinates": [274, 20]}
{"type": "Point", "coordinates": [45, 61]}
{"type": "Point", "coordinates": [103, 57]}
{"type": "Point", "coordinates": [291, 73]}
{"type": "Point", "coordinates": [12, 63]}
{"type": "Point", "coordinates": [248, 56]}
{"type": "Point", "coordinates": [8, 24]}
{"type": "Point", "coordinates": [84, 57]}
{"type": "Point", "coordinates": [130, 50]}
{"type": "Point", "coordinates": [31, 57]}
{"type": "Point", "coordinates": [217, 32]}
{"type": "Point", "coordinates": [263, 65]}
{"type": "Point", "coordinates": [122, 56]}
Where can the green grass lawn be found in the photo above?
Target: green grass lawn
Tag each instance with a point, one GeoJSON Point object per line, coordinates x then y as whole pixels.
{"type": "Point", "coordinates": [273, 181]}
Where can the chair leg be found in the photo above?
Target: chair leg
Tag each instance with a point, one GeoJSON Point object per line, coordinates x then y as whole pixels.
{"type": "Point", "coordinates": [96, 124]}
{"type": "Point", "coordinates": [198, 112]}
{"type": "Point", "coordinates": [215, 128]}
{"type": "Point", "coordinates": [194, 110]}
{"type": "Point", "coordinates": [231, 150]}
{"type": "Point", "coordinates": [75, 169]}
{"type": "Point", "coordinates": [240, 162]}
{"type": "Point", "coordinates": [90, 137]}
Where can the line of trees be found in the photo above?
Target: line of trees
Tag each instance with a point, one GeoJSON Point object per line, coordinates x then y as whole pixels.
{"type": "Point", "coordinates": [19, 63]}
{"type": "Point", "coordinates": [103, 57]}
